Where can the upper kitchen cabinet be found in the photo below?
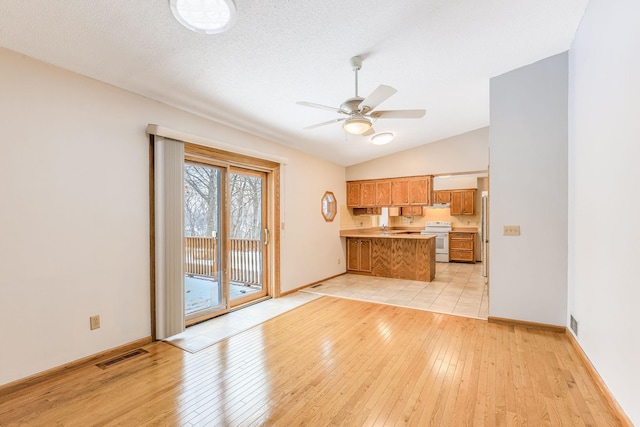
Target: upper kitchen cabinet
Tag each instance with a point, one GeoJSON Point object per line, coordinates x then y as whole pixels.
{"type": "Point", "coordinates": [410, 191]}
{"type": "Point", "coordinates": [463, 202]}
{"type": "Point", "coordinates": [383, 193]}
{"type": "Point", "coordinates": [361, 194]}
{"type": "Point", "coordinates": [420, 190]}
{"type": "Point", "coordinates": [400, 192]}
{"type": "Point", "coordinates": [353, 194]}
{"type": "Point", "coordinates": [443, 196]}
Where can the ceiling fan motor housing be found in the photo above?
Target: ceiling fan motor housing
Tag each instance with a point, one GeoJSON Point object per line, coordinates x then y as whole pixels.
{"type": "Point", "coordinates": [352, 105]}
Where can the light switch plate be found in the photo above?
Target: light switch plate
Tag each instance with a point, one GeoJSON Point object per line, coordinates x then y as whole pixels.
{"type": "Point", "coordinates": [511, 230]}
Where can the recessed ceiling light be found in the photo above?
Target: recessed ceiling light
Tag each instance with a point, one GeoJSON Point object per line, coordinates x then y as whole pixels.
{"type": "Point", "coordinates": [382, 138]}
{"type": "Point", "coordinates": [204, 16]}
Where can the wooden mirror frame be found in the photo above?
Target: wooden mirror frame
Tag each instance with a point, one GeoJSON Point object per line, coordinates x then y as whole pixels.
{"type": "Point", "coordinates": [329, 206]}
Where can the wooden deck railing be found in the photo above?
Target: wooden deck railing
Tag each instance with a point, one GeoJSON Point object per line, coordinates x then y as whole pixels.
{"type": "Point", "coordinates": [245, 258]}
{"type": "Point", "coordinates": [246, 261]}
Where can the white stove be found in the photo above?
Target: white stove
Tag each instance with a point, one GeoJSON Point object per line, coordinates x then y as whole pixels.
{"type": "Point", "coordinates": [441, 230]}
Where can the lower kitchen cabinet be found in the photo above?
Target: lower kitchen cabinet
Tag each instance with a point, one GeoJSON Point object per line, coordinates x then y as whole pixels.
{"type": "Point", "coordinates": [359, 255]}
{"type": "Point", "coordinates": [462, 246]}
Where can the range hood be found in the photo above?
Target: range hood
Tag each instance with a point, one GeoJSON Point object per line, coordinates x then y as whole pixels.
{"type": "Point", "coordinates": [452, 182]}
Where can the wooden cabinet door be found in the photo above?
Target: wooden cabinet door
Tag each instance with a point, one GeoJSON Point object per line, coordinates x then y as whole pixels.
{"type": "Point", "coordinates": [442, 196]}
{"type": "Point", "coordinates": [420, 191]}
{"type": "Point", "coordinates": [411, 211]}
{"type": "Point", "coordinates": [383, 193]}
{"type": "Point", "coordinates": [456, 203]}
{"type": "Point", "coordinates": [368, 194]}
{"type": "Point", "coordinates": [469, 202]}
{"type": "Point", "coordinates": [353, 256]}
{"type": "Point", "coordinates": [353, 194]}
{"type": "Point", "coordinates": [365, 255]}
{"type": "Point", "coordinates": [359, 254]}
{"type": "Point", "coordinates": [399, 192]}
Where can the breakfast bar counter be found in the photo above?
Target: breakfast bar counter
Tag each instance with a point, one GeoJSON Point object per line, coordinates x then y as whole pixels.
{"type": "Point", "coordinates": [399, 254]}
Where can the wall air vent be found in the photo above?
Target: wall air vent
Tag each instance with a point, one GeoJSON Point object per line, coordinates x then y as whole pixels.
{"type": "Point", "coordinates": [573, 324]}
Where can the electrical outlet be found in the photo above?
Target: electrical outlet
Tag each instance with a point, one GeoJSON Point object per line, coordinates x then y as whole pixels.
{"type": "Point", "coordinates": [94, 322]}
{"type": "Point", "coordinates": [511, 230]}
{"type": "Point", "coordinates": [338, 260]}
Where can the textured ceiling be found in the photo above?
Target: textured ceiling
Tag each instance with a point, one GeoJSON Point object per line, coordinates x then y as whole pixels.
{"type": "Point", "coordinates": [439, 55]}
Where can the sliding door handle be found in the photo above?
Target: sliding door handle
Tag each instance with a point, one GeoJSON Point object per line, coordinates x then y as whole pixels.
{"type": "Point", "coordinates": [266, 236]}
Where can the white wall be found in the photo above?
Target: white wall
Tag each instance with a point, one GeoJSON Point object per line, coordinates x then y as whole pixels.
{"type": "Point", "coordinates": [74, 215]}
{"type": "Point", "coordinates": [528, 187]}
{"type": "Point", "coordinates": [468, 152]}
{"type": "Point", "coordinates": [604, 172]}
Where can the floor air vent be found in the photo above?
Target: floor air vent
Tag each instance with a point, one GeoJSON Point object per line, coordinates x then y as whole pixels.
{"type": "Point", "coordinates": [121, 358]}
{"type": "Point", "coordinates": [319, 284]}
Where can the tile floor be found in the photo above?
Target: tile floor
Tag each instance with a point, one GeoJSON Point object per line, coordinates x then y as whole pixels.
{"type": "Point", "coordinates": [457, 289]}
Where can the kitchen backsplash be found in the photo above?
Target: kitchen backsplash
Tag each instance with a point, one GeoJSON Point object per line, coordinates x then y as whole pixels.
{"type": "Point", "coordinates": [435, 215]}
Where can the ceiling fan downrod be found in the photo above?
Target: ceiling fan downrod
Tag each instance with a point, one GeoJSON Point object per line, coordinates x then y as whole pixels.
{"type": "Point", "coordinates": [356, 64]}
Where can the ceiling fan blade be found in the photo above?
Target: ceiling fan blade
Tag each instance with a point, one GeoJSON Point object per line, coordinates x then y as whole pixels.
{"type": "Point", "coordinates": [325, 123]}
{"type": "Point", "coordinates": [370, 132]}
{"type": "Point", "coordinates": [398, 114]}
{"type": "Point", "coordinates": [320, 106]}
{"type": "Point", "coordinates": [378, 96]}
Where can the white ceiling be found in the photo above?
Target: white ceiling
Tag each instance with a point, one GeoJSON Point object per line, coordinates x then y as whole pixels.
{"type": "Point", "coordinates": [438, 54]}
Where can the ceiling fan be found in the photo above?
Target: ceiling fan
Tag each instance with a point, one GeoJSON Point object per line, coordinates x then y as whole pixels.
{"type": "Point", "coordinates": [359, 111]}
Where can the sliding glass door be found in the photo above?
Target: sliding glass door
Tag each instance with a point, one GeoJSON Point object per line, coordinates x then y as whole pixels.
{"type": "Point", "coordinates": [248, 235]}
{"type": "Point", "coordinates": [203, 282]}
{"type": "Point", "coordinates": [225, 236]}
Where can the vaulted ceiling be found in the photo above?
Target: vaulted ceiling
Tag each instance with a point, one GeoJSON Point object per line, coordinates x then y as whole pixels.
{"type": "Point", "coordinates": [438, 54]}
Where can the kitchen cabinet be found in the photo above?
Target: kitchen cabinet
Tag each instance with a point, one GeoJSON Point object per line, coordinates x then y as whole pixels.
{"type": "Point", "coordinates": [358, 254]}
{"type": "Point", "coordinates": [462, 246]}
{"type": "Point", "coordinates": [361, 194]}
{"type": "Point", "coordinates": [463, 202]}
{"type": "Point", "coordinates": [367, 211]}
{"type": "Point", "coordinates": [383, 192]}
{"type": "Point", "coordinates": [390, 192]}
{"type": "Point", "coordinates": [368, 194]}
{"type": "Point", "coordinates": [442, 196]}
{"type": "Point", "coordinates": [400, 192]}
{"type": "Point", "coordinates": [411, 211]}
{"type": "Point", "coordinates": [353, 194]}
{"type": "Point", "coordinates": [420, 190]}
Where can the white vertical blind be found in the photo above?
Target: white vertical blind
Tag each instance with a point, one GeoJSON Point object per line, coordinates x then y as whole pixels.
{"type": "Point", "coordinates": [169, 232]}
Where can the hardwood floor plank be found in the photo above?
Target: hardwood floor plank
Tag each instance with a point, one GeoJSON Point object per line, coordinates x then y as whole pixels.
{"type": "Point", "coordinates": [332, 362]}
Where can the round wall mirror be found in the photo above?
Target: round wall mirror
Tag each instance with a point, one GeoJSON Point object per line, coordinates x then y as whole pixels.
{"type": "Point", "coordinates": [329, 206]}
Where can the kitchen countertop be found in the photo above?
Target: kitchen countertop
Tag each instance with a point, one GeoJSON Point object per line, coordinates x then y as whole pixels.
{"type": "Point", "coordinates": [464, 229]}
{"type": "Point", "coordinates": [390, 234]}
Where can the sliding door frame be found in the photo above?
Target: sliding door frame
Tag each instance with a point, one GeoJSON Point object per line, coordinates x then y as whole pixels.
{"type": "Point", "coordinates": [208, 155]}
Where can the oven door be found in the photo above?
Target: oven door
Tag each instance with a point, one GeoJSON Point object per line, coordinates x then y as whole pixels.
{"type": "Point", "coordinates": [442, 247]}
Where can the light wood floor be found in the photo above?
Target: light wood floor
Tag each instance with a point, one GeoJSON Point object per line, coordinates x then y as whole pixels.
{"type": "Point", "coordinates": [333, 362]}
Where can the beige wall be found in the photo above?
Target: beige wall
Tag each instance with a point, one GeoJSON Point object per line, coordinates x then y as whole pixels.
{"type": "Point", "coordinates": [74, 222]}
{"type": "Point", "coordinates": [468, 152]}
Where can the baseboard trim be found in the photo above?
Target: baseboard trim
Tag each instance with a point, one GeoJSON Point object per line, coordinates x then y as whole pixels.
{"type": "Point", "coordinates": [528, 325]}
{"type": "Point", "coordinates": [606, 393]}
{"type": "Point", "coordinates": [40, 377]}
{"type": "Point", "coordinates": [310, 284]}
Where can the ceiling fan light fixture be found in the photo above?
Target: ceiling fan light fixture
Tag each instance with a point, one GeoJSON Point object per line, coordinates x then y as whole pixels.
{"type": "Point", "coordinates": [382, 138]}
{"type": "Point", "coordinates": [204, 16]}
{"type": "Point", "coordinates": [357, 125]}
